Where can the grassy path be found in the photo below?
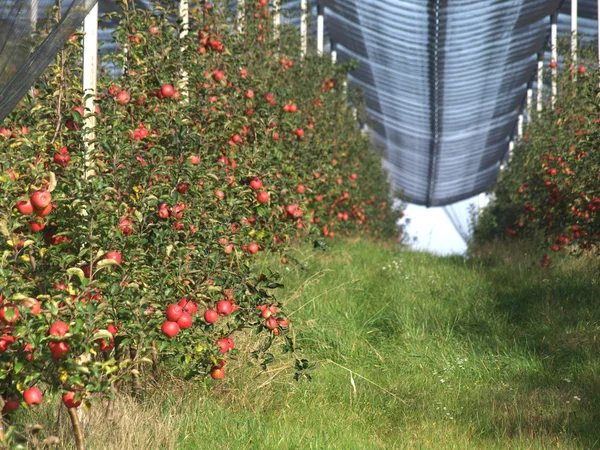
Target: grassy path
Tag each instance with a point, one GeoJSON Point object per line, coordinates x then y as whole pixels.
{"type": "Point", "coordinates": [417, 351]}
{"type": "Point", "coordinates": [414, 351]}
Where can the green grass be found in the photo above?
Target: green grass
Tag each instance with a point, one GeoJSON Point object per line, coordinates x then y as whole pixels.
{"type": "Point", "coordinates": [415, 351]}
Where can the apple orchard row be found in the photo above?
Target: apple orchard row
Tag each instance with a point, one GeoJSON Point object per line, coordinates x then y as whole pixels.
{"type": "Point", "coordinates": [135, 251]}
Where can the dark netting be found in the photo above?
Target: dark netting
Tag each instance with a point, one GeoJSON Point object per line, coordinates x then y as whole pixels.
{"type": "Point", "coordinates": [444, 82]}
{"type": "Point", "coordinates": [21, 60]}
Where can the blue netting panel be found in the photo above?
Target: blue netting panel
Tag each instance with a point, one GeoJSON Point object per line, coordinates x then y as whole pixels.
{"type": "Point", "coordinates": [444, 82]}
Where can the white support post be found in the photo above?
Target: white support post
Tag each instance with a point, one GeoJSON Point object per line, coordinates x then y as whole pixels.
{"type": "Point", "coordinates": [304, 27]}
{"type": "Point", "coordinates": [574, 13]}
{"type": "Point", "coordinates": [480, 203]}
{"type": "Point", "coordinates": [33, 14]}
{"type": "Point", "coordinates": [90, 64]}
{"type": "Point", "coordinates": [511, 148]}
{"type": "Point", "coordinates": [33, 18]}
{"type": "Point", "coordinates": [320, 28]}
{"type": "Point", "coordinates": [184, 16]}
{"type": "Point", "coordinates": [241, 13]}
{"type": "Point", "coordinates": [554, 43]}
{"type": "Point", "coordinates": [276, 18]}
{"type": "Point", "coordinates": [529, 104]}
{"type": "Point", "coordinates": [334, 52]}
{"type": "Point", "coordinates": [520, 127]}
{"type": "Point", "coordinates": [540, 82]}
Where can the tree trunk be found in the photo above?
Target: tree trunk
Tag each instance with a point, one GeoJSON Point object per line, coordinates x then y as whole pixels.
{"type": "Point", "coordinates": [79, 441]}
{"type": "Point", "coordinates": [3, 443]}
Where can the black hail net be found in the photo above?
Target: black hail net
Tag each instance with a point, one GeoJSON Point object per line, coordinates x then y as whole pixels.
{"type": "Point", "coordinates": [24, 54]}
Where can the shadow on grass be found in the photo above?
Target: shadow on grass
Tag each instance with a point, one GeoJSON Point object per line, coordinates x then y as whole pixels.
{"type": "Point", "coordinates": [553, 317]}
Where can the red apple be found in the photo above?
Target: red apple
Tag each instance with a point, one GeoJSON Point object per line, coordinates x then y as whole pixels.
{"type": "Point", "coordinates": [58, 329]}
{"type": "Point", "coordinates": [126, 226]}
{"type": "Point", "coordinates": [188, 306]}
{"type": "Point", "coordinates": [106, 345]}
{"type": "Point", "coordinates": [170, 329]}
{"type": "Point", "coordinates": [34, 305]}
{"type": "Point", "coordinates": [8, 313]}
{"type": "Point", "coordinates": [69, 401]}
{"type": "Point", "coordinates": [174, 313]}
{"type": "Point", "coordinates": [32, 396]}
{"type": "Point", "coordinates": [115, 256]}
{"type": "Point", "coordinates": [24, 207]}
{"type": "Point", "coordinates": [224, 307]}
{"type": "Point", "coordinates": [5, 341]}
{"type": "Point", "coordinates": [10, 405]}
{"type": "Point", "coordinates": [211, 316]}
{"type": "Point", "coordinates": [62, 159]}
{"type": "Point", "coordinates": [163, 213]}
{"type": "Point", "coordinates": [218, 75]}
{"type": "Point", "coordinates": [217, 373]}
{"type": "Point", "coordinates": [123, 98]}
{"type": "Point", "coordinates": [230, 343]}
{"type": "Point", "coordinates": [271, 323]}
{"type": "Point", "coordinates": [40, 199]}
{"type": "Point", "coordinates": [223, 345]}
{"type": "Point", "coordinates": [44, 211]}
{"type": "Point", "coordinates": [263, 197]}
{"type": "Point", "coordinates": [58, 349]}
{"type": "Point", "coordinates": [253, 248]}
{"type": "Point", "coordinates": [185, 321]}
{"type": "Point", "coordinates": [256, 184]}
{"type": "Point", "coordinates": [167, 90]}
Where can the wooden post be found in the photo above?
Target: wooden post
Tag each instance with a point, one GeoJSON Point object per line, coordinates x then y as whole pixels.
{"type": "Point", "coordinates": [554, 43]}
{"type": "Point", "coordinates": [320, 28]}
{"type": "Point", "coordinates": [540, 81]}
{"type": "Point", "coordinates": [241, 13]}
{"type": "Point", "coordinates": [304, 27]}
{"type": "Point", "coordinates": [184, 16]}
{"type": "Point", "coordinates": [90, 64]}
{"type": "Point", "coordinates": [574, 13]}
